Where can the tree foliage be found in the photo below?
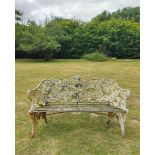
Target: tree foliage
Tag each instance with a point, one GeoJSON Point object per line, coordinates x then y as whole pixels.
{"type": "Point", "coordinates": [131, 13]}
{"type": "Point", "coordinates": [18, 15]}
{"type": "Point", "coordinates": [32, 38]}
{"type": "Point", "coordinates": [120, 37]}
{"type": "Point", "coordinates": [117, 34]}
{"type": "Point", "coordinates": [62, 30]}
{"type": "Point", "coordinates": [128, 13]}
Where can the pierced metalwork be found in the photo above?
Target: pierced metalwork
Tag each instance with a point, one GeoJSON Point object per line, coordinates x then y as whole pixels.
{"type": "Point", "coordinates": [78, 95]}
{"type": "Point", "coordinates": [77, 90]}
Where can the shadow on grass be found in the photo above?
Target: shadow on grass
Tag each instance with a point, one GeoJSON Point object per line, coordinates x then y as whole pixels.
{"type": "Point", "coordinates": [60, 125]}
{"type": "Point", "coordinates": [49, 61]}
{"type": "Point", "coordinates": [80, 133]}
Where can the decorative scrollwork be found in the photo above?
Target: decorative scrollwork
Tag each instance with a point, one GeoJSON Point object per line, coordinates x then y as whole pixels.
{"type": "Point", "coordinates": [79, 90]}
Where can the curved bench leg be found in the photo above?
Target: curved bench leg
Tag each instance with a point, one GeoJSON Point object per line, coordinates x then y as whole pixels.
{"type": "Point", "coordinates": [34, 123]}
{"type": "Point", "coordinates": [122, 118]}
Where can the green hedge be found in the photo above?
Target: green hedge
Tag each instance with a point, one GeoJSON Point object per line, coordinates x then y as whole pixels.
{"type": "Point", "coordinates": [96, 56]}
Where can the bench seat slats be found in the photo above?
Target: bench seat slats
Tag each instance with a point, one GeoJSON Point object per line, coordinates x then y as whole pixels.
{"type": "Point", "coordinates": [79, 108]}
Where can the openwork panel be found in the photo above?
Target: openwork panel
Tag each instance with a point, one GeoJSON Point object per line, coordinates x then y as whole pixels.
{"type": "Point", "coordinates": [78, 90]}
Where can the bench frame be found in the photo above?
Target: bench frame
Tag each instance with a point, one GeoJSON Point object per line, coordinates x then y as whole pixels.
{"type": "Point", "coordinates": [41, 112]}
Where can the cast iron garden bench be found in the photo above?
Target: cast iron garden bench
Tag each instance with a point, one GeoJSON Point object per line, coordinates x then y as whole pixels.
{"type": "Point", "coordinates": [76, 94]}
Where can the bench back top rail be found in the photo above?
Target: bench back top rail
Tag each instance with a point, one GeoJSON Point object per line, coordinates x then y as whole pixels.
{"type": "Point", "coordinates": [78, 90]}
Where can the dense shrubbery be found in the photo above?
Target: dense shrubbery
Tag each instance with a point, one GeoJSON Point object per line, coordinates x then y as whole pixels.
{"type": "Point", "coordinates": [96, 56]}
{"type": "Point", "coordinates": [120, 37]}
{"type": "Point", "coordinates": [117, 33]}
{"type": "Point", "coordinates": [34, 39]}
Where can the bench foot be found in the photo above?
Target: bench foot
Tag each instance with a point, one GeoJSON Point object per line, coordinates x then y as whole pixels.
{"type": "Point", "coordinates": [34, 123]}
{"type": "Point", "coordinates": [122, 118]}
{"type": "Point", "coordinates": [35, 117]}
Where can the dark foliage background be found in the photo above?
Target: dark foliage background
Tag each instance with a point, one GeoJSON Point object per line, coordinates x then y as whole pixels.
{"type": "Point", "coordinates": [115, 34]}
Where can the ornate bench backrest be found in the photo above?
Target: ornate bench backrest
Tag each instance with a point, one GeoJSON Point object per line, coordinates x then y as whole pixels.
{"type": "Point", "coordinates": [78, 90]}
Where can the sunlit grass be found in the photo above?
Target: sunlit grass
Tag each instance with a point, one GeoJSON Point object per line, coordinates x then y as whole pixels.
{"type": "Point", "coordinates": [76, 134]}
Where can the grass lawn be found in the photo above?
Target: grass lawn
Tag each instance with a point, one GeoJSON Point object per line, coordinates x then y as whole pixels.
{"type": "Point", "coordinates": [81, 133]}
